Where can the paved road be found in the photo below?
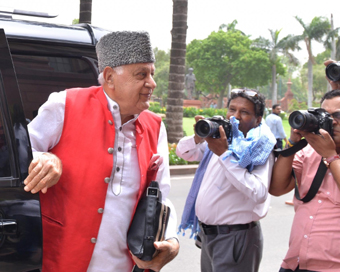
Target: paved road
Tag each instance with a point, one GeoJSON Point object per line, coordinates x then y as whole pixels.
{"type": "Point", "coordinates": [275, 226]}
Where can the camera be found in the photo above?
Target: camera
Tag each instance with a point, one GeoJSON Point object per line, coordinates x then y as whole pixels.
{"type": "Point", "coordinates": [311, 120]}
{"type": "Point", "coordinates": [208, 127]}
{"type": "Point", "coordinates": [333, 71]}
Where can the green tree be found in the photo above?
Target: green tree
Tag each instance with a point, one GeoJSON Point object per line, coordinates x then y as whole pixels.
{"type": "Point", "coordinates": [174, 111]}
{"type": "Point", "coordinates": [274, 47]}
{"type": "Point", "coordinates": [161, 76]}
{"type": "Point", "coordinates": [227, 58]}
{"type": "Point", "coordinates": [316, 30]}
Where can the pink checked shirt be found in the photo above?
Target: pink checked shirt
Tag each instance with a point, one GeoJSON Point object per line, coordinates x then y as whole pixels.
{"type": "Point", "coordinates": [315, 236]}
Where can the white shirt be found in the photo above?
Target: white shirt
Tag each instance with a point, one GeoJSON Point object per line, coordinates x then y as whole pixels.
{"type": "Point", "coordinates": [110, 252]}
{"type": "Point", "coordinates": [229, 194]}
{"type": "Point", "coordinates": [274, 122]}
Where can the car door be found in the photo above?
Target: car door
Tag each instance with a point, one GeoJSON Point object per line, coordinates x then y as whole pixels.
{"type": "Point", "coordinates": [20, 217]}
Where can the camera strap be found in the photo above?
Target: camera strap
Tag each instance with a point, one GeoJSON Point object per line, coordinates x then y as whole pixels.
{"type": "Point", "coordinates": [292, 150]}
{"type": "Point", "coordinates": [322, 169]}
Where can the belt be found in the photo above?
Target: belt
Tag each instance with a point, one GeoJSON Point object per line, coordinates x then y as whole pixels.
{"type": "Point", "coordinates": [225, 229]}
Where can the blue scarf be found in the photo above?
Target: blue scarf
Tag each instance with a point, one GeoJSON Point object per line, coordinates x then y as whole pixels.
{"type": "Point", "coordinates": [247, 152]}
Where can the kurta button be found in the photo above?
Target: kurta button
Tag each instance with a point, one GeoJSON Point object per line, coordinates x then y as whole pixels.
{"type": "Point", "coordinates": [117, 169]}
{"type": "Point", "coordinates": [100, 210]}
{"type": "Point", "coordinates": [115, 107]}
{"type": "Point", "coordinates": [93, 240]}
{"type": "Point", "coordinates": [110, 150]}
{"type": "Point", "coordinates": [120, 129]}
{"type": "Point", "coordinates": [110, 122]}
{"type": "Point", "coordinates": [119, 149]}
{"type": "Point", "coordinates": [106, 180]}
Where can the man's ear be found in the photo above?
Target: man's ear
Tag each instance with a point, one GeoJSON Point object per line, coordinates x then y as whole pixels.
{"type": "Point", "coordinates": [108, 76]}
{"type": "Point", "coordinates": [258, 120]}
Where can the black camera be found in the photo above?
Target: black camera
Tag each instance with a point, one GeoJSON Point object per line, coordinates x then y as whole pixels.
{"type": "Point", "coordinates": [208, 127]}
{"type": "Point", "coordinates": [333, 71]}
{"type": "Point", "coordinates": [311, 120]}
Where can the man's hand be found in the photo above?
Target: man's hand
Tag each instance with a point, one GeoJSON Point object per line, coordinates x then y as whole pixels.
{"type": "Point", "coordinates": [197, 138]}
{"type": "Point", "coordinates": [335, 85]}
{"type": "Point", "coordinates": [218, 146]}
{"type": "Point", "coordinates": [322, 143]}
{"type": "Point", "coordinates": [43, 173]}
{"type": "Point", "coordinates": [167, 251]}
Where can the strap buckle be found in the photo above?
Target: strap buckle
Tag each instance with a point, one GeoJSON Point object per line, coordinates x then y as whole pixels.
{"type": "Point", "coordinates": [151, 191]}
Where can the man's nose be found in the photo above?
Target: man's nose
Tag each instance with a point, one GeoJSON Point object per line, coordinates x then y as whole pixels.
{"type": "Point", "coordinates": [151, 83]}
{"type": "Point", "coordinates": [237, 115]}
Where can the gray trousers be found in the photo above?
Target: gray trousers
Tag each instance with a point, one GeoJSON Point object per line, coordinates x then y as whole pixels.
{"type": "Point", "coordinates": [237, 251]}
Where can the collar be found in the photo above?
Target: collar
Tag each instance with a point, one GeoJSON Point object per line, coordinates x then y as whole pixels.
{"type": "Point", "coordinates": [113, 107]}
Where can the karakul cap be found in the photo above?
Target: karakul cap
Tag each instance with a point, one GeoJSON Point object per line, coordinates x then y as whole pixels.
{"type": "Point", "coordinates": [124, 47]}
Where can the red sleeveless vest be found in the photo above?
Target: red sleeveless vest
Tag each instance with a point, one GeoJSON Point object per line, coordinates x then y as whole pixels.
{"type": "Point", "coordinates": [70, 208]}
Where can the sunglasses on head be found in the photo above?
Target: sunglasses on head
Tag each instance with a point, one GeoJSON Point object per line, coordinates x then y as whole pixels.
{"type": "Point", "coordinates": [246, 91]}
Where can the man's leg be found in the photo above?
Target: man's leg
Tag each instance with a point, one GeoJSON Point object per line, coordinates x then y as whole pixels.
{"type": "Point", "coordinates": [205, 258]}
{"type": "Point", "coordinates": [279, 143]}
{"type": "Point", "coordinates": [233, 252]}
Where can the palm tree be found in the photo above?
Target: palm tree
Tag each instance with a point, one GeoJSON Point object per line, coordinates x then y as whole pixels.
{"type": "Point", "coordinates": [174, 111]}
{"type": "Point", "coordinates": [85, 11]}
{"type": "Point", "coordinates": [274, 47]}
{"type": "Point", "coordinates": [316, 30]}
{"type": "Point", "coordinates": [332, 41]}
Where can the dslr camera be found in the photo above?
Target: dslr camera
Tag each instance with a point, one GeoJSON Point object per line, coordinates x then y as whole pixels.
{"type": "Point", "coordinates": [333, 71]}
{"type": "Point", "coordinates": [208, 127]}
{"type": "Point", "coordinates": [311, 120]}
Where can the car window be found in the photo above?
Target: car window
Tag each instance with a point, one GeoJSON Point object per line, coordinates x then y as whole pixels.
{"type": "Point", "coordinates": [5, 167]}
{"type": "Point", "coordinates": [38, 76]}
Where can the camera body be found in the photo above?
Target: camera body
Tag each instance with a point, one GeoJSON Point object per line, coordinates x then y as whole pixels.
{"type": "Point", "coordinates": [209, 127]}
{"type": "Point", "coordinates": [311, 120]}
{"type": "Point", "coordinates": [333, 71]}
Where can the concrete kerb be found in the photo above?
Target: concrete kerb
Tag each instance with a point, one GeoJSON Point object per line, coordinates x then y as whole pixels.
{"type": "Point", "coordinates": [183, 169]}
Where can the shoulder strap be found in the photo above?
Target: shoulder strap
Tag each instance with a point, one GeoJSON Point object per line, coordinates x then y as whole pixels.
{"type": "Point", "coordinates": [318, 177]}
{"type": "Point", "coordinates": [315, 184]}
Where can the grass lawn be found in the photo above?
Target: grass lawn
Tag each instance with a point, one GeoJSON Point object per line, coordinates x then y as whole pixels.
{"type": "Point", "coordinates": [189, 122]}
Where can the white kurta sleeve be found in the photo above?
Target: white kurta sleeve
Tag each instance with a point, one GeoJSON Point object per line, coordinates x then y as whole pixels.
{"type": "Point", "coordinates": [46, 128]}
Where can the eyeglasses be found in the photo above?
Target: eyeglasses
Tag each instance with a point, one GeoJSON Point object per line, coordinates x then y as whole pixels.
{"type": "Point", "coordinates": [336, 116]}
{"type": "Point", "coordinates": [246, 91]}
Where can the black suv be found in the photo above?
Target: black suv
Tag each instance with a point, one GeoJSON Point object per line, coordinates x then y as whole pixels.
{"type": "Point", "coordinates": [36, 59]}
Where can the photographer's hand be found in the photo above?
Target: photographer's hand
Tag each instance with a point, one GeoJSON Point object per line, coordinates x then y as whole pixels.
{"type": "Point", "coordinates": [295, 135]}
{"type": "Point", "coordinates": [335, 85]}
{"type": "Point", "coordinates": [220, 145]}
{"type": "Point", "coordinates": [197, 138]}
{"type": "Point", "coordinates": [322, 143]}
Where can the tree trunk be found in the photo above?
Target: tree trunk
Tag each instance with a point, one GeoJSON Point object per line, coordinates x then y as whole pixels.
{"type": "Point", "coordinates": [174, 111]}
{"type": "Point", "coordinates": [220, 99]}
{"type": "Point", "coordinates": [310, 82]}
{"type": "Point", "coordinates": [274, 89]}
{"type": "Point", "coordinates": [85, 11]}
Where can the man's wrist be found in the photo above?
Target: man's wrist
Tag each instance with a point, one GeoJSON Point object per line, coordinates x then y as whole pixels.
{"type": "Point", "coordinates": [330, 159]}
{"type": "Point", "coordinates": [291, 143]}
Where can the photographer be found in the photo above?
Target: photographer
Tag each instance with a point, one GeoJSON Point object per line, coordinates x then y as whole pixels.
{"type": "Point", "coordinates": [315, 232]}
{"type": "Point", "coordinates": [231, 186]}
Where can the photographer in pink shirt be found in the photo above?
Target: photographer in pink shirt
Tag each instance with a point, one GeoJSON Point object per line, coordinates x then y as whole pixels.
{"type": "Point", "coordinates": [315, 234]}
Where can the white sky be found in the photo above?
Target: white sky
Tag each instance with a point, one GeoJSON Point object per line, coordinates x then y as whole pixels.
{"type": "Point", "coordinates": [155, 16]}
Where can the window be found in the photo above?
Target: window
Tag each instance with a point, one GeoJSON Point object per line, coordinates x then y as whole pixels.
{"type": "Point", "coordinates": [38, 76]}
{"type": "Point", "coordinates": [5, 169]}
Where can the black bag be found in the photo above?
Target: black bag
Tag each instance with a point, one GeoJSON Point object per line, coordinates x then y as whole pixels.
{"type": "Point", "coordinates": [148, 224]}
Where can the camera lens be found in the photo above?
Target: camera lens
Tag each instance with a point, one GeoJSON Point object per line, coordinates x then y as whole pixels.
{"type": "Point", "coordinates": [303, 120]}
{"type": "Point", "coordinates": [206, 128]}
{"type": "Point", "coordinates": [333, 71]}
